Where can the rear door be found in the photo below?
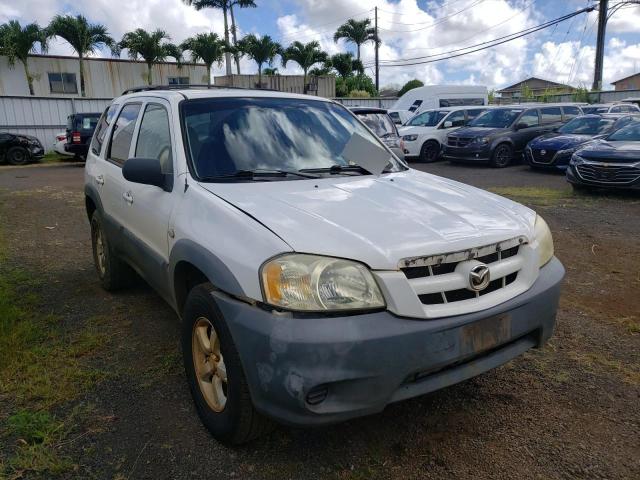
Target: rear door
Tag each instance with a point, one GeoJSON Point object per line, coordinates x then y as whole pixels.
{"type": "Point", "coordinates": [118, 150]}
{"type": "Point", "coordinates": [148, 208]}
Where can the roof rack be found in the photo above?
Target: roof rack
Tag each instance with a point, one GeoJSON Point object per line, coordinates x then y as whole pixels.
{"type": "Point", "coordinates": [188, 86]}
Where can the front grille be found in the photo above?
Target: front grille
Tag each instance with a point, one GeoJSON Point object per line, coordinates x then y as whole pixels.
{"type": "Point", "coordinates": [538, 157]}
{"type": "Point", "coordinates": [459, 141]}
{"type": "Point", "coordinates": [437, 280]}
{"type": "Point", "coordinates": [620, 174]}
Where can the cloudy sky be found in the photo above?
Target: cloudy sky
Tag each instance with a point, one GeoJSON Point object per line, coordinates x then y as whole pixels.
{"type": "Point", "coordinates": [408, 28]}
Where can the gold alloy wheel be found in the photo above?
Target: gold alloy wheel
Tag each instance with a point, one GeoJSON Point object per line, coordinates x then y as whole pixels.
{"type": "Point", "coordinates": [209, 364]}
{"type": "Point", "coordinates": [100, 252]}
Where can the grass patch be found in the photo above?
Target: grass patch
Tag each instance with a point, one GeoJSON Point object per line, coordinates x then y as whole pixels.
{"type": "Point", "coordinates": [55, 157]}
{"type": "Point", "coordinates": [536, 195]}
{"type": "Point", "coordinates": [43, 367]}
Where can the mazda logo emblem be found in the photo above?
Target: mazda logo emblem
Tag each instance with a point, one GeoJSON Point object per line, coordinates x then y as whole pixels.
{"type": "Point", "coordinates": [479, 277]}
{"type": "Point", "coordinates": [543, 152]}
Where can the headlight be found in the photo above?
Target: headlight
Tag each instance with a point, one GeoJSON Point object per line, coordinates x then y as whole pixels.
{"type": "Point", "coordinates": [481, 140]}
{"type": "Point", "coordinates": [544, 240]}
{"type": "Point", "coordinates": [314, 283]}
{"type": "Point", "coordinates": [410, 138]}
{"type": "Point", "coordinates": [576, 159]}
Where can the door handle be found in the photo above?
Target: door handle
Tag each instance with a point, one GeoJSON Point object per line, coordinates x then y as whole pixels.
{"type": "Point", "coordinates": [128, 197]}
{"type": "Point", "coordinates": [100, 180]}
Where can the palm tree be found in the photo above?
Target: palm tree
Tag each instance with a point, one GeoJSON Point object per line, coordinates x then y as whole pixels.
{"type": "Point", "coordinates": [345, 64]}
{"type": "Point", "coordinates": [305, 55]}
{"type": "Point", "coordinates": [261, 50]}
{"type": "Point", "coordinates": [16, 43]}
{"type": "Point", "coordinates": [357, 32]}
{"type": "Point", "coordinates": [84, 37]}
{"type": "Point", "coordinates": [241, 4]}
{"type": "Point", "coordinates": [207, 47]}
{"type": "Point", "coordinates": [150, 47]}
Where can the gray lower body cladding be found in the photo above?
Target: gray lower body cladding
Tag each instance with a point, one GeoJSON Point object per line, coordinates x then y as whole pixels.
{"type": "Point", "coordinates": [314, 371]}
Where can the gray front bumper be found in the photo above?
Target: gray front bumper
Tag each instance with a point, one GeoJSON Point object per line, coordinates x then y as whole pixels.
{"type": "Point", "coordinates": [364, 362]}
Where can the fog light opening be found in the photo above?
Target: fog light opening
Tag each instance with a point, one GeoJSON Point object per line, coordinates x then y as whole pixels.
{"type": "Point", "coordinates": [317, 394]}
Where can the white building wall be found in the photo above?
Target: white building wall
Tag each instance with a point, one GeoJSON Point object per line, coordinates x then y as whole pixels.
{"type": "Point", "coordinates": [104, 77]}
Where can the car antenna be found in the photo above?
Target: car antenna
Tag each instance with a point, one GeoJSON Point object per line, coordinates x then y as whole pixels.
{"type": "Point", "coordinates": [186, 185]}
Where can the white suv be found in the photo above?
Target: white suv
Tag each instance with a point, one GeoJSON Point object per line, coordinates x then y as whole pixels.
{"type": "Point", "coordinates": [425, 133]}
{"type": "Point", "coordinates": [317, 277]}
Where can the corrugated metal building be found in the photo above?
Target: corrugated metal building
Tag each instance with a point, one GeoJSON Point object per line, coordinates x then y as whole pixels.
{"type": "Point", "coordinates": [104, 77]}
{"type": "Point", "coordinates": [322, 86]}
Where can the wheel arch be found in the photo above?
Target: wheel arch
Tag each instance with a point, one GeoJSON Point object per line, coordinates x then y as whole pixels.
{"type": "Point", "coordinates": [191, 264]}
{"type": "Point", "coordinates": [91, 200]}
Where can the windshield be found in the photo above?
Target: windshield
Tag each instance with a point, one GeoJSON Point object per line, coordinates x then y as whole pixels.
{"type": "Point", "coordinates": [587, 126]}
{"type": "Point", "coordinates": [427, 119]}
{"type": "Point", "coordinates": [630, 133]}
{"type": "Point", "coordinates": [230, 135]}
{"type": "Point", "coordinates": [380, 123]}
{"type": "Point", "coordinates": [588, 110]}
{"type": "Point", "coordinates": [498, 118]}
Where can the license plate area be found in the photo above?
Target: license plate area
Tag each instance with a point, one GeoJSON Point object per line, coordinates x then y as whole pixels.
{"type": "Point", "coordinates": [485, 334]}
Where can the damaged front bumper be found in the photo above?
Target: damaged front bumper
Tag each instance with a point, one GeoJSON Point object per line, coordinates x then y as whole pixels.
{"type": "Point", "coordinates": [320, 370]}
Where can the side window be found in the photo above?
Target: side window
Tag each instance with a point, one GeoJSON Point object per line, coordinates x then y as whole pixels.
{"type": "Point", "coordinates": [471, 114]}
{"type": "Point", "coordinates": [456, 118]}
{"type": "Point", "coordinates": [615, 109]}
{"type": "Point", "coordinates": [154, 137]}
{"type": "Point", "coordinates": [415, 105]}
{"type": "Point", "coordinates": [551, 114]}
{"type": "Point", "coordinates": [571, 112]}
{"type": "Point", "coordinates": [123, 133]}
{"type": "Point", "coordinates": [101, 129]}
{"type": "Point", "coordinates": [530, 118]}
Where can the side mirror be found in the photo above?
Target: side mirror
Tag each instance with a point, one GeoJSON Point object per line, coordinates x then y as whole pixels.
{"type": "Point", "coordinates": [146, 171]}
{"type": "Point", "coordinates": [447, 124]}
{"type": "Point", "coordinates": [520, 126]}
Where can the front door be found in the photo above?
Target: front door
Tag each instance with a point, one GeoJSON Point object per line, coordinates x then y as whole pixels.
{"type": "Point", "coordinates": [148, 208]}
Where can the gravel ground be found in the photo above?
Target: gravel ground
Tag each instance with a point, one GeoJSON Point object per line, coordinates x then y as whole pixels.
{"type": "Point", "coordinates": [569, 410]}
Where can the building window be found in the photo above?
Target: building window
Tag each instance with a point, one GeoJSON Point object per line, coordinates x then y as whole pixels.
{"type": "Point", "coordinates": [179, 81]}
{"type": "Point", "coordinates": [63, 83]}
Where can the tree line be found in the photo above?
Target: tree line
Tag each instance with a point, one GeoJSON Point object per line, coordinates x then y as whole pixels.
{"type": "Point", "coordinates": [17, 42]}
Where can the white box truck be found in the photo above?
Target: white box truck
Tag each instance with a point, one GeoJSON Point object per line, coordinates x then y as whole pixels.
{"type": "Point", "coordinates": [436, 96]}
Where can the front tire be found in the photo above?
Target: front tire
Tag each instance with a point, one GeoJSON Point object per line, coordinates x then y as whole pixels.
{"type": "Point", "coordinates": [502, 156]}
{"type": "Point", "coordinates": [18, 156]}
{"type": "Point", "coordinates": [430, 151]}
{"type": "Point", "coordinates": [216, 378]}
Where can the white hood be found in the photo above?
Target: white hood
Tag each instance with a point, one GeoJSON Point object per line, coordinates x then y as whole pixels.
{"type": "Point", "coordinates": [379, 220]}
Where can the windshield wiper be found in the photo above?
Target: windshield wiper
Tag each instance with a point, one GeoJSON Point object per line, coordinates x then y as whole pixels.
{"type": "Point", "coordinates": [337, 169]}
{"type": "Point", "coordinates": [257, 172]}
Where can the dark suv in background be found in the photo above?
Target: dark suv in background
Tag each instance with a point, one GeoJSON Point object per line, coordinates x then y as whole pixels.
{"type": "Point", "coordinates": [499, 135]}
{"type": "Point", "coordinates": [80, 127]}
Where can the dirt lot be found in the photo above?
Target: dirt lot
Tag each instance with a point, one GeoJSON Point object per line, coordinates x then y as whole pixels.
{"type": "Point", "coordinates": [100, 393]}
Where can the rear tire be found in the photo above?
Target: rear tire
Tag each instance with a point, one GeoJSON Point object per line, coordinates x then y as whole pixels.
{"type": "Point", "coordinates": [502, 156]}
{"type": "Point", "coordinates": [18, 156]}
{"type": "Point", "coordinates": [430, 151]}
{"type": "Point", "coordinates": [214, 371]}
{"type": "Point", "coordinates": [113, 273]}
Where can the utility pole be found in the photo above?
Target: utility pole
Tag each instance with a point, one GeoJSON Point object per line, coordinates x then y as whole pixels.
{"type": "Point", "coordinates": [603, 11]}
{"type": "Point", "coordinates": [377, 45]}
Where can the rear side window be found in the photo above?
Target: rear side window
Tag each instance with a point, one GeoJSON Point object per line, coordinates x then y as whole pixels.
{"type": "Point", "coordinates": [571, 112]}
{"type": "Point", "coordinates": [101, 129]}
{"type": "Point", "coordinates": [530, 118]}
{"type": "Point", "coordinates": [415, 105]}
{"type": "Point", "coordinates": [456, 118]}
{"type": "Point", "coordinates": [551, 114]}
{"type": "Point", "coordinates": [154, 137]}
{"type": "Point", "coordinates": [123, 133]}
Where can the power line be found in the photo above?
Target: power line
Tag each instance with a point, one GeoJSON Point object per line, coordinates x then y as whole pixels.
{"type": "Point", "coordinates": [313, 27]}
{"type": "Point", "coordinates": [423, 11]}
{"type": "Point", "coordinates": [438, 22]}
{"type": "Point", "coordinates": [493, 42]}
